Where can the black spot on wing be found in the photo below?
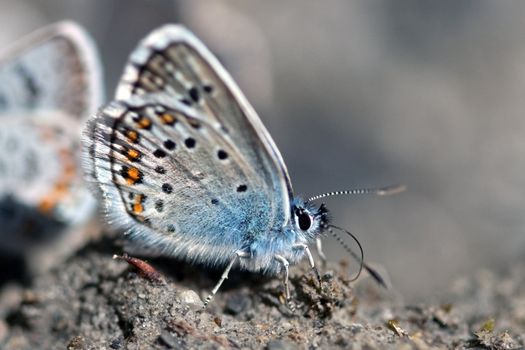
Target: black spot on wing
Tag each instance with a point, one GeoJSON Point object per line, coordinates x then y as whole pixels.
{"type": "Point", "coordinates": [30, 86]}
{"type": "Point", "coordinates": [190, 142]}
{"type": "Point", "coordinates": [185, 101]}
{"type": "Point", "coordinates": [159, 205]}
{"type": "Point", "coordinates": [194, 124]}
{"type": "Point", "coordinates": [194, 94]}
{"type": "Point", "coordinates": [208, 89]}
{"type": "Point", "coordinates": [158, 153]}
{"type": "Point", "coordinates": [169, 145]}
{"type": "Point", "coordinates": [167, 188]}
{"type": "Point", "coordinates": [221, 154]}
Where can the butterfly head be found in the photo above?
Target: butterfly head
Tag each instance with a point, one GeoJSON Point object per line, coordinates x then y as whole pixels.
{"type": "Point", "coordinates": [308, 219]}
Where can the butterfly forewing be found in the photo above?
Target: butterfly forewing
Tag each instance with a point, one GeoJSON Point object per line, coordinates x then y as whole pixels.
{"type": "Point", "coordinates": [174, 61]}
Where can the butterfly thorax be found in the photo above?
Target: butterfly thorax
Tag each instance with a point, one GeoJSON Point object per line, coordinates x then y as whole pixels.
{"type": "Point", "coordinates": [306, 223]}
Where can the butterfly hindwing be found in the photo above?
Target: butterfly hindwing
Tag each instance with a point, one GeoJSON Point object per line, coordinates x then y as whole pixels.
{"type": "Point", "coordinates": [178, 181]}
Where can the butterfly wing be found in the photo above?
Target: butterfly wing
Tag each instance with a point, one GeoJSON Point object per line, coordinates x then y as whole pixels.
{"type": "Point", "coordinates": [49, 81]}
{"type": "Point", "coordinates": [173, 60]}
{"type": "Point", "coordinates": [183, 154]}
{"type": "Point", "coordinates": [54, 68]}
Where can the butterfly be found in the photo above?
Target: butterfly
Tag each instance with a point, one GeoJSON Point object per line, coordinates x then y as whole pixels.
{"type": "Point", "coordinates": [50, 81]}
{"type": "Point", "coordinates": [185, 166]}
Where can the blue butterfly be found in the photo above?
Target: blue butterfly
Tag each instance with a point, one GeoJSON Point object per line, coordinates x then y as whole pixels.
{"type": "Point", "coordinates": [184, 165]}
{"type": "Point", "coordinates": [50, 81]}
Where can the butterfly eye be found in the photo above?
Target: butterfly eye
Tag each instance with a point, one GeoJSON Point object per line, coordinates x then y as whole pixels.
{"type": "Point", "coordinates": [303, 220]}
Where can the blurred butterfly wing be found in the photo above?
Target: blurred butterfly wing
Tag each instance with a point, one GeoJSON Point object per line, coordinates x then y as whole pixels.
{"type": "Point", "coordinates": [49, 82]}
{"type": "Point", "coordinates": [174, 61]}
{"type": "Point", "coordinates": [54, 68]}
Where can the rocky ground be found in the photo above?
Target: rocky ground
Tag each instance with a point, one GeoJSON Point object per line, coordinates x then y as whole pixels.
{"type": "Point", "coordinates": [95, 302]}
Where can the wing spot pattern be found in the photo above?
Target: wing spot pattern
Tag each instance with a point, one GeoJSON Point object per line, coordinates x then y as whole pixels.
{"type": "Point", "coordinates": [133, 155]}
{"type": "Point", "coordinates": [131, 135]}
{"type": "Point", "coordinates": [190, 142]}
{"type": "Point", "coordinates": [168, 119]}
{"type": "Point", "coordinates": [167, 188]}
{"type": "Point", "coordinates": [169, 145]}
{"type": "Point", "coordinates": [222, 155]}
{"type": "Point", "coordinates": [159, 205]}
{"type": "Point", "coordinates": [208, 88]}
{"type": "Point", "coordinates": [185, 101]}
{"type": "Point", "coordinates": [194, 94]}
{"type": "Point", "coordinates": [158, 153]}
{"type": "Point", "coordinates": [131, 175]}
{"type": "Point", "coordinates": [138, 206]}
{"type": "Point", "coordinates": [142, 122]}
{"type": "Point", "coordinates": [194, 124]}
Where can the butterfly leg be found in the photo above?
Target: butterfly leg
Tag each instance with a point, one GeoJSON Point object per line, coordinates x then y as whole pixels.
{"type": "Point", "coordinates": [310, 259]}
{"type": "Point", "coordinates": [239, 254]}
{"type": "Point", "coordinates": [320, 252]}
{"type": "Point", "coordinates": [285, 264]}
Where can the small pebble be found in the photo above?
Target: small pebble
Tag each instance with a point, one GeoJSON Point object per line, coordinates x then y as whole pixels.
{"type": "Point", "coordinates": [279, 344]}
{"type": "Point", "coordinates": [77, 343]}
{"type": "Point", "coordinates": [189, 297]}
{"type": "Point", "coordinates": [236, 304]}
{"type": "Point", "coordinates": [116, 343]}
{"type": "Point", "coordinates": [168, 339]}
{"type": "Point", "coordinates": [286, 325]}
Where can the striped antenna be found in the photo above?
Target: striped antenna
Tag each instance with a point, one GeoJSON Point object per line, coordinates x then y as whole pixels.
{"type": "Point", "coordinates": [382, 191]}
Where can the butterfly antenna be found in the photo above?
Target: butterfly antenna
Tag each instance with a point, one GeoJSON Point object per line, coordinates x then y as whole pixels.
{"type": "Point", "coordinates": [375, 275]}
{"type": "Point", "coordinates": [382, 191]}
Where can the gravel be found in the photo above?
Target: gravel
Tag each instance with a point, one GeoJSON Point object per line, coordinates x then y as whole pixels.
{"type": "Point", "coordinates": [92, 301]}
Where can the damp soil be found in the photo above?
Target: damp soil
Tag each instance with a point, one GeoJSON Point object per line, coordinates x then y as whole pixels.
{"type": "Point", "coordinates": [92, 301]}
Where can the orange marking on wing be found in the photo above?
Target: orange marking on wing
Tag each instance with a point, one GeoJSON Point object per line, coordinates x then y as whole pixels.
{"type": "Point", "coordinates": [47, 204]}
{"type": "Point", "coordinates": [133, 154]}
{"type": "Point", "coordinates": [138, 207]}
{"type": "Point", "coordinates": [167, 119]}
{"type": "Point", "coordinates": [62, 185]}
{"type": "Point", "coordinates": [144, 122]}
{"type": "Point", "coordinates": [133, 175]}
{"type": "Point", "coordinates": [132, 135]}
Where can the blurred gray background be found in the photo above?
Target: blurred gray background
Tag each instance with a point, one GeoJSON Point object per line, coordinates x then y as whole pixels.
{"type": "Point", "coordinates": [365, 93]}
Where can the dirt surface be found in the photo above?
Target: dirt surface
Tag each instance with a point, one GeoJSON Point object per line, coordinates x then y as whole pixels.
{"type": "Point", "coordinates": [95, 302]}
